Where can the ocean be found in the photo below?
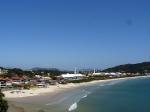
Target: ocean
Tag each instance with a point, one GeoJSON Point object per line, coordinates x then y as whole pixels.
{"type": "Point", "coordinates": [127, 95]}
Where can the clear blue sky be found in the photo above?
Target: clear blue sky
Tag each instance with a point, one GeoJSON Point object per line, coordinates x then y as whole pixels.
{"type": "Point", "coordinates": [74, 33]}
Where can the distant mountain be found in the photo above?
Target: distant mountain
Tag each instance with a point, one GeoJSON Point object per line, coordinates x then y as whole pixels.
{"type": "Point", "coordinates": [133, 68]}
{"type": "Point", "coordinates": [44, 69]}
{"type": "Point", "coordinates": [52, 71]}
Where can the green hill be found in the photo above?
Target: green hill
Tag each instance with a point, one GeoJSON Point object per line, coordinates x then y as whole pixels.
{"type": "Point", "coordinates": [132, 68]}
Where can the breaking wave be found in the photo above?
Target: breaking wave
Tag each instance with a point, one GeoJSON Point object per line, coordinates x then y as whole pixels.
{"type": "Point", "coordinates": [85, 96]}
{"type": "Point", "coordinates": [75, 104]}
{"type": "Point", "coordinates": [73, 107]}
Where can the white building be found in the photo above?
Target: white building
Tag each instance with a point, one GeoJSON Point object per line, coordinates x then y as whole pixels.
{"type": "Point", "coordinates": [75, 76]}
{"type": "Point", "coordinates": [113, 74]}
{"type": "Point", "coordinates": [72, 76]}
{"type": "Point", "coordinates": [98, 74]}
{"type": "Point", "coordinates": [2, 83]}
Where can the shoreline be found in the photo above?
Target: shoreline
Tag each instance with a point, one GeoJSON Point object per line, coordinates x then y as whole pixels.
{"type": "Point", "coordinates": [55, 98]}
{"type": "Point", "coordinates": [55, 88]}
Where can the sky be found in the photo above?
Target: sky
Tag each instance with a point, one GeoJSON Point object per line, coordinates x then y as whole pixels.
{"type": "Point", "coordinates": [66, 34]}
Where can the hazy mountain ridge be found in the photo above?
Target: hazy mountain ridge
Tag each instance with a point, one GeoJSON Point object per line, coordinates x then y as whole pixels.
{"type": "Point", "coordinates": [44, 69]}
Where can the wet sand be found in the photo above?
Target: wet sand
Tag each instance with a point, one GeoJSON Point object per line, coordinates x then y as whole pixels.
{"type": "Point", "coordinates": [14, 108]}
{"type": "Point", "coordinates": [49, 102]}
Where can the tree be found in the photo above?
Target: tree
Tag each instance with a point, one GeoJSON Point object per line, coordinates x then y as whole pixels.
{"type": "Point", "coordinates": [3, 103]}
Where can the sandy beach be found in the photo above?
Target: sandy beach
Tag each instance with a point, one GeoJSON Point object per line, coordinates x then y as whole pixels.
{"type": "Point", "coordinates": [29, 100]}
{"type": "Point", "coordinates": [50, 89]}
{"type": "Point", "coordinates": [54, 88]}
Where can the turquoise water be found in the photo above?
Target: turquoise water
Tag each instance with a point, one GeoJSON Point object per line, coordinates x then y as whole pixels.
{"type": "Point", "coordinates": [128, 96]}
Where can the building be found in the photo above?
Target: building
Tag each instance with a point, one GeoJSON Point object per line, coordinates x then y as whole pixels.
{"type": "Point", "coordinates": [3, 71]}
{"type": "Point", "coordinates": [118, 74]}
{"type": "Point", "coordinates": [17, 80]}
{"type": "Point", "coordinates": [69, 76]}
{"type": "Point", "coordinates": [98, 74]}
{"type": "Point", "coordinates": [2, 83]}
{"type": "Point", "coordinates": [74, 76]}
{"type": "Point", "coordinates": [41, 85]}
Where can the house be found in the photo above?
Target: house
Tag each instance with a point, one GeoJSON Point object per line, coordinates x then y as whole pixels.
{"type": "Point", "coordinates": [5, 82]}
{"type": "Point", "coordinates": [17, 80]}
{"type": "Point", "coordinates": [41, 83]}
{"type": "Point", "coordinates": [9, 84]}
{"type": "Point", "coordinates": [2, 83]}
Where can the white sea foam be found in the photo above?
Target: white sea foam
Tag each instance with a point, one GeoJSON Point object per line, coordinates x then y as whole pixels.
{"type": "Point", "coordinates": [73, 107]}
{"type": "Point", "coordinates": [85, 96]}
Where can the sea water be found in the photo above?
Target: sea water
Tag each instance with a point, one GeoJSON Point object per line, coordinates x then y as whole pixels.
{"type": "Point", "coordinates": [131, 95]}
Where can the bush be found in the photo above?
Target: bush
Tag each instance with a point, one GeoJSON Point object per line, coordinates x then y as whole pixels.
{"type": "Point", "coordinates": [3, 103]}
{"type": "Point", "coordinates": [27, 86]}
